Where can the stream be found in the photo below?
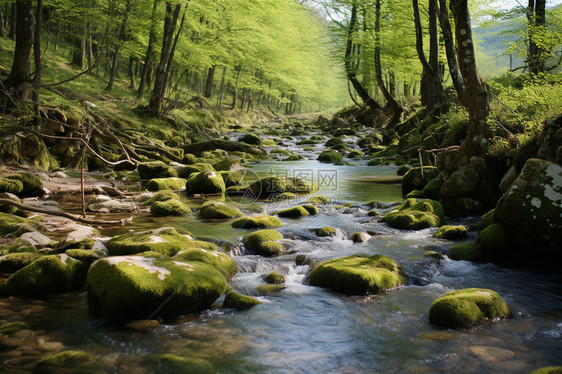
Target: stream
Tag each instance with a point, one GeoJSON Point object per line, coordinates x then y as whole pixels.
{"type": "Point", "coordinates": [305, 329]}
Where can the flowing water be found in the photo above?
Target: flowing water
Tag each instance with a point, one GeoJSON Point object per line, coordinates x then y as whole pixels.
{"type": "Point", "coordinates": [305, 329]}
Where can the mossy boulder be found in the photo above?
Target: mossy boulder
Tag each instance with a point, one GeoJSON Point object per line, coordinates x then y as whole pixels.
{"type": "Point", "coordinates": [105, 204]}
{"type": "Point", "coordinates": [274, 186]}
{"type": "Point", "coordinates": [360, 237]}
{"type": "Point", "coordinates": [251, 139]}
{"type": "Point", "coordinates": [159, 184]}
{"type": "Point", "coordinates": [548, 370]}
{"type": "Point", "coordinates": [532, 207]}
{"type": "Point", "coordinates": [189, 159]}
{"type": "Point", "coordinates": [264, 242]}
{"type": "Point", "coordinates": [142, 286]}
{"type": "Point", "coordinates": [355, 154]}
{"type": "Point", "coordinates": [403, 169]}
{"type": "Point", "coordinates": [161, 196]}
{"type": "Point", "coordinates": [219, 260]}
{"type": "Point", "coordinates": [462, 182]}
{"type": "Point", "coordinates": [262, 221]}
{"type": "Point", "coordinates": [451, 232]}
{"type": "Point", "coordinates": [415, 215]}
{"type": "Point", "coordinates": [320, 200]}
{"type": "Point", "coordinates": [433, 188]}
{"type": "Point", "coordinates": [325, 231]}
{"type": "Point", "coordinates": [217, 210]}
{"type": "Point", "coordinates": [206, 183]}
{"type": "Point", "coordinates": [464, 308]}
{"type": "Point", "coordinates": [28, 149]}
{"type": "Point", "coordinates": [228, 164]}
{"type": "Point", "coordinates": [8, 208]}
{"type": "Point", "coordinates": [13, 262]}
{"type": "Point", "coordinates": [19, 246]}
{"type": "Point", "coordinates": [494, 240]}
{"type": "Point", "coordinates": [11, 328]}
{"type": "Point", "coordinates": [416, 194]}
{"type": "Point", "coordinates": [52, 273]}
{"type": "Point", "coordinates": [170, 207]}
{"type": "Point", "coordinates": [330, 155]}
{"type": "Point", "coordinates": [294, 212]}
{"type": "Point", "coordinates": [416, 179]}
{"type": "Point", "coordinates": [187, 170]}
{"type": "Point", "coordinates": [233, 300]}
{"type": "Point", "coordinates": [12, 186]}
{"type": "Point", "coordinates": [165, 240]}
{"type": "Point", "coordinates": [155, 169]}
{"type": "Point", "coordinates": [266, 289]}
{"type": "Point", "coordinates": [85, 255]}
{"type": "Point", "coordinates": [358, 275]}
{"type": "Point", "coordinates": [465, 251]}
{"type": "Point", "coordinates": [462, 206]}
{"type": "Point", "coordinates": [32, 185]}
{"type": "Point", "coordinates": [294, 157]}
{"type": "Point", "coordinates": [59, 360]}
{"type": "Point", "coordinates": [274, 278]}
{"type": "Point", "coordinates": [311, 209]}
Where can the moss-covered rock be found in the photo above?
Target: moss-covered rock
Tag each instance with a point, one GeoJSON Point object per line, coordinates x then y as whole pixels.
{"type": "Point", "coordinates": [236, 301]}
{"type": "Point", "coordinates": [228, 164]}
{"type": "Point", "coordinates": [52, 273]}
{"type": "Point", "coordinates": [12, 327]}
{"type": "Point", "coordinates": [415, 215]}
{"type": "Point", "coordinates": [465, 251]}
{"type": "Point", "coordinates": [358, 275]}
{"type": "Point", "coordinates": [451, 232]}
{"type": "Point", "coordinates": [155, 169]}
{"type": "Point", "coordinates": [32, 185]}
{"type": "Point", "coordinates": [164, 240]}
{"type": "Point", "coordinates": [141, 286]}
{"type": "Point", "coordinates": [548, 370]}
{"type": "Point", "coordinates": [206, 183]}
{"type": "Point", "coordinates": [462, 206]}
{"type": "Point", "coordinates": [13, 262]}
{"type": "Point", "coordinates": [161, 196]}
{"type": "Point", "coordinates": [320, 200]}
{"type": "Point", "coordinates": [294, 212]}
{"type": "Point", "coordinates": [171, 363]}
{"type": "Point", "coordinates": [265, 289]}
{"type": "Point", "coordinates": [274, 186]}
{"type": "Point", "coordinates": [416, 179]}
{"type": "Point", "coordinates": [12, 186]}
{"type": "Point", "coordinates": [105, 204]}
{"type": "Point", "coordinates": [462, 182]}
{"type": "Point", "coordinates": [159, 184]}
{"type": "Point", "coordinates": [65, 359]}
{"type": "Point", "coordinates": [373, 213]}
{"type": "Point", "coordinates": [403, 169]}
{"type": "Point", "coordinates": [85, 255]}
{"type": "Point", "coordinates": [189, 159]}
{"type": "Point", "coordinates": [217, 210]}
{"type": "Point", "coordinates": [262, 221]}
{"type": "Point", "coordinates": [10, 209]}
{"type": "Point", "coordinates": [264, 242]}
{"type": "Point", "coordinates": [360, 237]}
{"type": "Point", "coordinates": [486, 220]}
{"type": "Point", "coordinates": [311, 209]}
{"type": "Point", "coordinates": [274, 278]}
{"type": "Point", "coordinates": [355, 154]}
{"type": "Point", "coordinates": [219, 260]}
{"type": "Point", "coordinates": [187, 170]}
{"type": "Point", "coordinates": [432, 188]}
{"type": "Point", "coordinates": [19, 246]}
{"type": "Point", "coordinates": [434, 255]}
{"type": "Point", "coordinates": [325, 231]}
{"type": "Point", "coordinates": [494, 239]}
{"type": "Point", "coordinates": [251, 139]}
{"type": "Point", "coordinates": [330, 155]}
{"type": "Point", "coordinates": [415, 194]}
{"type": "Point", "coordinates": [28, 149]}
{"type": "Point", "coordinates": [464, 308]}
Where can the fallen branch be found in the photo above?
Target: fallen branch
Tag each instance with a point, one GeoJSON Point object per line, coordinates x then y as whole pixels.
{"type": "Point", "coordinates": [66, 215]}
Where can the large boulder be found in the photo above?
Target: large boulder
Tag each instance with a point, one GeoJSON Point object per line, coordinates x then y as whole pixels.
{"type": "Point", "coordinates": [31, 184]}
{"type": "Point", "coordinates": [330, 155]}
{"type": "Point", "coordinates": [358, 275]}
{"type": "Point", "coordinates": [52, 273]}
{"type": "Point", "coordinates": [250, 139]}
{"type": "Point", "coordinates": [187, 170]}
{"type": "Point", "coordinates": [462, 182]}
{"type": "Point", "coordinates": [262, 221]}
{"type": "Point", "coordinates": [218, 210]}
{"type": "Point", "coordinates": [416, 178]}
{"type": "Point", "coordinates": [206, 183]}
{"type": "Point", "coordinates": [219, 260]}
{"type": "Point", "coordinates": [264, 242]}
{"type": "Point", "coordinates": [10, 224]}
{"type": "Point", "coordinates": [274, 186]}
{"type": "Point", "coordinates": [145, 286]}
{"type": "Point", "coordinates": [13, 262]}
{"type": "Point", "coordinates": [171, 207]}
{"type": "Point", "coordinates": [27, 149]}
{"type": "Point", "coordinates": [415, 215]}
{"type": "Point", "coordinates": [464, 308]}
{"type": "Point", "coordinates": [105, 204]}
{"type": "Point", "coordinates": [155, 169]}
{"type": "Point", "coordinates": [160, 184]}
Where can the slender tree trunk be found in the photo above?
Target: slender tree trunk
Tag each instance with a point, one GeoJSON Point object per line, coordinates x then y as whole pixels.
{"type": "Point", "coordinates": [132, 72]}
{"type": "Point", "coordinates": [145, 77]}
{"type": "Point", "coordinates": [221, 87]}
{"type": "Point", "coordinates": [235, 94]}
{"type": "Point", "coordinates": [2, 25]}
{"type": "Point", "coordinates": [79, 52]}
{"type": "Point", "coordinates": [113, 70]}
{"type": "Point", "coordinates": [536, 18]}
{"type": "Point", "coordinates": [209, 83]}
{"type": "Point", "coordinates": [13, 20]}
{"type": "Point", "coordinates": [37, 55]}
{"type": "Point", "coordinates": [17, 83]}
{"type": "Point", "coordinates": [450, 52]}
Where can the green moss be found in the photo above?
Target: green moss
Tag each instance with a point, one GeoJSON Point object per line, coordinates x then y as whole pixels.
{"type": "Point", "coordinates": [434, 255]}
{"type": "Point", "coordinates": [219, 260]}
{"type": "Point", "coordinates": [463, 181]}
{"type": "Point", "coordinates": [227, 164]}
{"type": "Point", "coordinates": [13, 262]}
{"type": "Point", "coordinates": [360, 237]}
{"type": "Point", "coordinates": [32, 186]}
{"type": "Point", "coordinates": [358, 275]}
{"type": "Point", "coordinates": [294, 212]}
{"type": "Point", "coordinates": [274, 186]}
{"type": "Point", "coordinates": [451, 232]}
{"type": "Point", "coordinates": [274, 278]}
{"type": "Point", "coordinates": [187, 170]}
{"type": "Point", "coordinates": [52, 273]}
{"type": "Point", "coordinates": [403, 169]}
{"type": "Point", "coordinates": [12, 327]}
{"type": "Point", "coordinates": [415, 179]}
{"type": "Point", "coordinates": [335, 142]}
{"type": "Point", "coordinates": [464, 308]}
{"type": "Point", "coordinates": [66, 359]}
{"type": "Point", "coordinates": [279, 152]}
{"type": "Point", "coordinates": [269, 288]}
{"type": "Point", "coordinates": [155, 169]}
{"type": "Point", "coordinates": [311, 209]}
{"type": "Point", "coordinates": [261, 221]}
{"type": "Point", "coordinates": [189, 159]}
{"type": "Point", "coordinates": [10, 209]}
{"type": "Point", "coordinates": [11, 186]}
{"type": "Point", "coordinates": [319, 200]}
{"type": "Point", "coordinates": [415, 194]}
{"type": "Point", "coordinates": [236, 301]}
{"type": "Point", "coordinates": [162, 196]}
{"type": "Point", "coordinates": [159, 184]}
{"type": "Point", "coordinates": [416, 215]}
{"type": "Point", "coordinates": [548, 370]}
{"type": "Point", "coordinates": [462, 206]}
{"type": "Point", "coordinates": [205, 182]}
{"type": "Point", "coordinates": [216, 210]}
{"type": "Point", "coordinates": [432, 188]}
{"type": "Point", "coordinates": [20, 246]}
{"type": "Point", "coordinates": [325, 231]}
{"type": "Point", "coordinates": [486, 220]}
{"type": "Point", "coordinates": [465, 251]}
{"type": "Point", "coordinates": [355, 154]}
{"type": "Point", "coordinates": [170, 207]}
{"type": "Point", "coordinates": [251, 139]}
{"type": "Point", "coordinates": [494, 238]}
{"type": "Point", "coordinates": [165, 240]}
{"type": "Point", "coordinates": [264, 242]}
{"type": "Point", "coordinates": [330, 155]}
{"type": "Point", "coordinates": [294, 157]}
{"type": "Point", "coordinates": [140, 286]}
{"type": "Point", "coordinates": [85, 255]}
{"type": "Point", "coordinates": [373, 213]}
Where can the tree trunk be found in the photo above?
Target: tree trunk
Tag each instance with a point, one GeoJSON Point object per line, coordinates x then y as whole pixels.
{"type": "Point", "coordinates": [2, 25]}
{"type": "Point", "coordinates": [145, 77]}
{"type": "Point", "coordinates": [37, 55]}
{"type": "Point", "coordinates": [157, 97]}
{"type": "Point", "coordinates": [13, 21]}
{"type": "Point", "coordinates": [132, 72]}
{"type": "Point", "coordinates": [114, 67]}
{"type": "Point", "coordinates": [209, 83]}
{"type": "Point", "coordinates": [221, 87]}
{"type": "Point", "coordinates": [17, 83]}
{"type": "Point", "coordinates": [536, 18]}
{"type": "Point", "coordinates": [79, 52]}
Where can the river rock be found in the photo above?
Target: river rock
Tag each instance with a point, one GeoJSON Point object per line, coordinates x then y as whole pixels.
{"type": "Point", "coordinates": [205, 182]}
{"type": "Point", "coordinates": [360, 237]}
{"type": "Point", "coordinates": [451, 232]}
{"type": "Point", "coordinates": [251, 139]}
{"type": "Point", "coordinates": [462, 182]}
{"type": "Point", "coordinates": [171, 207]}
{"type": "Point", "coordinates": [491, 354]}
{"type": "Point", "coordinates": [234, 300]}
{"type": "Point", "coordinates": [218, 210]}
{"type": "Point", "coordinates": [104, 204]}
{"type": "Point", "coordinates": [52, 273]}
{"type": "Point", "coordinates": [414, 179]}
{"type": "Point", "coordinates": [264, 242]}
{"type": "Point", "coordinates": [274, 186]}
{"type": "Point", "coordinates": [13, 262]}
{"type": "Point", "coordinates": [358, 274]}
{"type": "Point", "coordinates": [262, 221]}
{"type": "Point", "coordinates": [508, 179]}
{"type": "Point", "coordinates": [160, 184]}
{"type": "Point", "coordinates": [155, 169]}
{"type": "Point", "coordinates": [187, 170]}
{"type": "Point", "coordinates": [330, 155]}
{"type": "Point", "coordinates": [36, 239]}
{"type": "Point", "coordinates": [221, 261]}
{"type": "Point", "coordinates": [11, 224]}
{"type": "Point", "coordinates": [144, 286]}
{"type": "Point", "coordinates": [464, 308]}
{"type": "Point", "coordinates": [415, 215]}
